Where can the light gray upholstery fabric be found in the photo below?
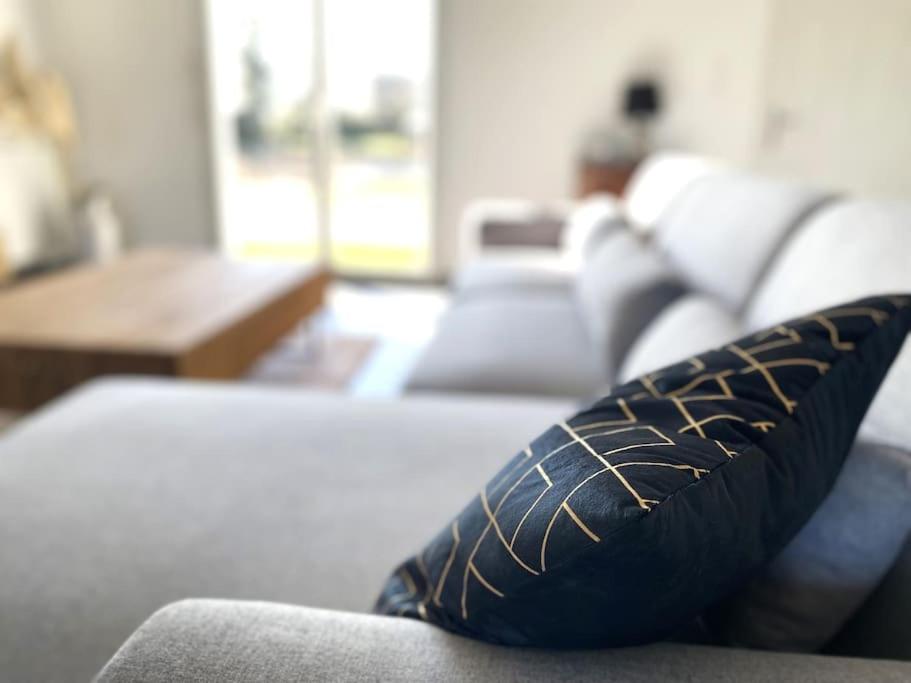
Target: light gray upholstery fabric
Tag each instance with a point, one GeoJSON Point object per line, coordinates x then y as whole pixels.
{"type": "Point", "coordinates": [623, 285]}
{"type": "Point", "coordinates": [130, 495]}
{"type": "Point", "coordinates": [235, 642]}
{"type": "Point", "coordinates": [847, 251]}
{"type": "Point", "coordinates": [594, 218]}
{"type": "Point", "coordinates": [723, 230]}
{"type": "Point", "coordinates": [658, 181]}
{"type": "Point", "coordinates": [804, 597]}
{"type": "Point", "coordinates": [689, 326]}
{"type": "Point", "coordinates": [511, 345]}
{"type": "Point", "coordinates": [518, 273]}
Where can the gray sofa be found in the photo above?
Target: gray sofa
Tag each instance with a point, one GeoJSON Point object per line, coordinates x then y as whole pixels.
{"type": "Point", "coordinates": [256, 526]}
{"type": "Point", "coordinates": [568, 335]}
{"type": "Point", "coordinates": [129, 495]}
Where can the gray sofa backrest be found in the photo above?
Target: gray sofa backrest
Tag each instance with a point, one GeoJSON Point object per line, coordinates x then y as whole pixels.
{"type": "Point", "coordinates": [621, 287]}
{"type": "Point", "coordinates": [723, 230]}
{"type": "Point", "coordinates": [882, 627]}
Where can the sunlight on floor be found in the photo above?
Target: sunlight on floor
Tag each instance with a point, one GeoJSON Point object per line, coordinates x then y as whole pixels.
{"type": "Point", "coordinates": [402, 318]}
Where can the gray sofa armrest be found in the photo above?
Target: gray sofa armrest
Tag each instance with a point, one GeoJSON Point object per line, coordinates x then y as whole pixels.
{"type": "Point", "coordinates": [215, 640]}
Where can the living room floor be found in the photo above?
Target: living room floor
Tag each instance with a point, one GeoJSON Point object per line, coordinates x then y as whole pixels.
{"type": "Point", "coordinates": [365, 342]}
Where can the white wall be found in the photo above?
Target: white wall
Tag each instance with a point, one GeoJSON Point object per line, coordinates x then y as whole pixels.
{"type": "Point", "coordinates": [838, 95]}
{"type": "Point", "coordinates": [137, 72]}
{"type": "Point", "coordinates": [521, 80]}
{"type": "Point", "coordinates": [16, 24]}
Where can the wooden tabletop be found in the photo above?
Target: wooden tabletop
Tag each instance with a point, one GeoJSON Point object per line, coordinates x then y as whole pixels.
{"type": "Point", "coordinates": [152, 300]}
{"type": "Point", "coordinates": [166, 312]}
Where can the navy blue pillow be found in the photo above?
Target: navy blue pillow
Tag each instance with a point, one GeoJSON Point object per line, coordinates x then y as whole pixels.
{"type": "Point", "coordinates": [627, 520]}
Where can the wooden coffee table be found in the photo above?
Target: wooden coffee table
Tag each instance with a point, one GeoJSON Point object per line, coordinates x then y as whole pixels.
{"type": "Point", "coordinates": [156, 312]}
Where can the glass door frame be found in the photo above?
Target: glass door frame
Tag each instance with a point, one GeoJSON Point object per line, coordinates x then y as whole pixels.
{"type": "Point", "coordinates": [220, 134]}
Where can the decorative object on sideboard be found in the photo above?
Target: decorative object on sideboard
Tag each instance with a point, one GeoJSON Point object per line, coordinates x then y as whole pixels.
{"type": "Point", "coordinates": [641, 105]}
{"type": "Point", "coordinates": [610, 155]}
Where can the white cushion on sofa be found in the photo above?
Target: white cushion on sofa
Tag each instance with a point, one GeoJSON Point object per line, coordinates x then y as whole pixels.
{"type": "Point", "coordinates": [847, 251]}
{"type": "Point", "coordinates": [723, 231]}
{"type": "Point", "coordinates": [684, 329]}
{"type": "Point", "coordinates": [658, 181]}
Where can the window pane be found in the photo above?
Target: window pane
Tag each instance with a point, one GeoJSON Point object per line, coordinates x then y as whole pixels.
{"type": "Point", "coordinates": [378, 68]}
{"type": "Point", "coordinates": [263, 59]}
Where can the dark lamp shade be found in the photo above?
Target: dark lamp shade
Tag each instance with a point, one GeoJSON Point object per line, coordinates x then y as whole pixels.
{"type": "Point", "coordinates": [642, 100]}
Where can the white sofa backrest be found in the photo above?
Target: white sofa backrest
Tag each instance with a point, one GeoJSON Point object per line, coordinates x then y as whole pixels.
{"type": "Point", "coordinates": [589, 222]}
{"type": "Point", "coordinates": [723, 231]}
{"type": "Point", "coordinates": [658, 181]}
{"type": "Point", "coordinates": [847, 251]}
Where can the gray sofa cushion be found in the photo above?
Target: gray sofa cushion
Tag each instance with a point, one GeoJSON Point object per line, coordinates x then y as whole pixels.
{"type": "Point", "coordinates": [216, 640]}
{"type": "Point", "coordinates": [512, 345]}
{"type": "Point", "coordinates": [689, 326]}
{"type": "Point", "coordinates": [129, 495]}
{"type": "Point", "coordinates": [823, 576]}
{"type": "Point", "coordinates": [723, 230]}
{"type": "Point", "coordinates": [623, 285]}
{"type": "Point", "coordinates": [882, 628]}
{"type": "Point", "coordinates": [847, 250]}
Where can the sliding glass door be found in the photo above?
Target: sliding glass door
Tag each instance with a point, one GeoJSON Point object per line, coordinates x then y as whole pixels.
{"type": "Point", "coordinates": [322, 131]}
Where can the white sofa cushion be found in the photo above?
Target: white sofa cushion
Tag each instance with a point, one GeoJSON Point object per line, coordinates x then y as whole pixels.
{"type": "Point", "coordinates": [689, 326]}
{"type": "Point", "coordinates": [847, 251]}
{"type": "Point", "coordinates": [658, 181]}
{"type": "Point", "coordinates": [723, 231]}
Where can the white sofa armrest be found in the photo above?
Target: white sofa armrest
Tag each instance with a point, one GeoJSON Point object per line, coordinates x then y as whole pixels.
{"type": "Point", "coordinates": [215, 640]}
